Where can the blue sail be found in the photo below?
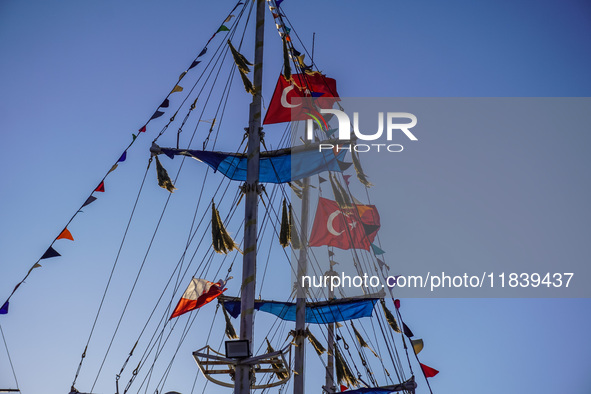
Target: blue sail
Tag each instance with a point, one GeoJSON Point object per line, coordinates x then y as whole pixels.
{"type": "Point", "coordinates": [316, 313]}
{"type": "Point", "coordinates": [280, 166]}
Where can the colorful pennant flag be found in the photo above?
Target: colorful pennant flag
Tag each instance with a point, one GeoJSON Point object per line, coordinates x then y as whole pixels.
{"type": "Point", "coordinates": [113, 168]}
{"type": "Point", "coordinates": [203, 52]}
{"type": "Point", "coordinates": [49, 253]}
{"type": "Point", "coordinates": [397, 303]}
{"type": "Point", "coordinates": [37, 265]}
{"type": "Point", "coordinates": [344, 388]}
{"type": "Point", "coordinates": [177, 88]}
{"type": "Point", "coordinates": [229, 18]}
{"type": "Point", "coordinates": [194, 64]}
{"type": "Point", "coordinates": [143, 129]}
{"type": "Point", "coordinates": [89, 201]}
{"type": "Point", "coordinates": [100, 187]}
{"type": "Point", "coordinates": [376, 250]}
{"type": "Point", "coordinates": [417, 345]}
{"type": "Point", "coordinates": [407, 330]}
{"type": "Point", "coordinates": [4, 309]}
{"type": "Point", "coordinates": [199, 293]}
{"type": "Point", "coordinates": [158, 114]}
{"type": "Point", "coordinates": [65, 235]}
{"type": "Point", "coordinates": [344, 228]}
{"type": "Point", "coordinates": [428, 371]}
{"type": "Point", "coordinates": [222, 28]}
{"type": "Point", "coordinates": [123, 157]}
{"type": "Point", "coordinates": [165, 103]}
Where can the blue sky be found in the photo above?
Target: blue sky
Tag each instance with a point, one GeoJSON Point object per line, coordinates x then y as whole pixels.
{"type": "Point", "coordinates": [78, 78]}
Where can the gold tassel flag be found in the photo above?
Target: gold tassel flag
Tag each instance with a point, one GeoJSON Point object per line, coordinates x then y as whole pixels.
{"type": "Point", "coordinates": [230, 331]}
{"type": "Point", "coordinates": [221, 240]}
{"type": "Point", "coordinates": [344, 374]}
{"type": "Point", "coordinates": [293, 232]}
{"type": "Point", "coordinates": [315, 343]}
{"type": "Point", "coordinates": [277, 366]}
{"type": "Point", "coordinates": [362, 341]}
{"type": "Point", "coordinates": [285, 232]}
{"type": "Point", "coordinates": [163, 178]}
{"type": "Point", "coordinates": [389, 317]}
{"type": "Point", "coordinates": [243, 68]}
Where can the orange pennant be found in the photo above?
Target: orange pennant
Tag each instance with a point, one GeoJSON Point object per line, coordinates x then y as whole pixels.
{"type": "Point", "coordinates": [66, 234]}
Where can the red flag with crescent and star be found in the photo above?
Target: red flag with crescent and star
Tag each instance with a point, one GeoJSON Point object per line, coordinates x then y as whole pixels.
{"type": "Point", "coordinates": [283, 108]}
{"type": "Point", "coordinates": [353, 228]}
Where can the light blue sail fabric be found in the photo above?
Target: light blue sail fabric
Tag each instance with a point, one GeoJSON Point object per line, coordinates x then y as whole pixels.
{"type": "Point", "coordinates": [275, 167]}
{"type": "Point", "coordinates": [316, 313]}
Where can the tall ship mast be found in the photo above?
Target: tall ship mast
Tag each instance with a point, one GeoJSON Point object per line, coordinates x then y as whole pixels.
{"type": "Point", "coordinates": [299, 207]}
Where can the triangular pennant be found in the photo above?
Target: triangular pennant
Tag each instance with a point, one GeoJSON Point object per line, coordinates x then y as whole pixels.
{"type": "Point", "coordinates": [229, 18]}
{"type": "Point", "coordinates": [275, 15]}
{"type": "Point", "coordinates": [113, 168]}
{"type": "Point", "coordinates": [346, 178]}
{"type": "Point", "coordinates": [202, 52]}
{"type": "Point", "coordinates": [88, 201]}
{"type": "Point", "coordinates": [330, 253]}
{"type": "Point", "coordinates": [4, 309]}
{"type": "Point", "coordinates": [133, 136]}
{"type": "Point", "coordinates": [344, 388]}
{"type": "Point", "coordinates": [123, 157]}
{"type": "Point", "coordinates": [165, 103]}
{"type": "Point", "coordinates": [428, 371]}
{"type": "Point", "coordinates": [100, 187]}
{"type": "Point", "coordinates": [407, 330]}
{"type": "Point", "coordinates": [49, 253]}
{"type": "Point", "coordinates": [16, 287]}
{"type": "Point", "coordinates": [222, 28]}
{"type": "Point", "coordinates": [66, 234]}
{"type": "Point", "coordinates": [37, 265]}
{"type": "Point", "coordinates": [177, 88]}
{"type": "Point", "coordinates": [158, 114]}
{"type": "Point", "coordinates": [343, 166]}
{"type": "Point", "coordinates": [143, 129]}
{"type": "Point", "coordinates": [382, 264]}
{"type": "Point", "coordinates": [194, 64]}
{"type": "Point", "coordinates": [417, 345]}
{"type": "Point", "coordinates": [397, 303]}
{"type": "Point", "coordinates": [370, 228]}
{"type": "Point", "coordinates": [182, 75]}
{"type": "Point", "coordinates": [321, 179]}
{"type": "Point", "coordinates": [376, 250]}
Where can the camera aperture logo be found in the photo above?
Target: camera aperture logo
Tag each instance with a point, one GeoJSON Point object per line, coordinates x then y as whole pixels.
{"type": "Point", "coordinates": [396, 123]}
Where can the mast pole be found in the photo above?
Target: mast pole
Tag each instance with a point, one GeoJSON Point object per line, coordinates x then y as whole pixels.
{"type": "Point", "coordinates": [329, 377]}
{"type": "Point", "coordinates": [300, 328]}
{"type": "Point", "coordinates": [243, 374]}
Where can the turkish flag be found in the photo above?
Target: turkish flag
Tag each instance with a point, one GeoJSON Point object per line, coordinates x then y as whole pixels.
{"type": "Point", "coordinates": [353, 228]}
{"type": "Point", "coordinates": [282, 107]}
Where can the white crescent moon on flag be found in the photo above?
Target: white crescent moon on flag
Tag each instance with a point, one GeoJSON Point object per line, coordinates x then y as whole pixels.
{"type": "Point", "coordinates": [284, 102]}
{"type": "Point", "coordinates": [329, 223]}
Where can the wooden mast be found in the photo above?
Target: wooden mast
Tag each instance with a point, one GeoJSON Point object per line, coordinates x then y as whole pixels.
{"type": "Point", "coordinates": [243, 378]}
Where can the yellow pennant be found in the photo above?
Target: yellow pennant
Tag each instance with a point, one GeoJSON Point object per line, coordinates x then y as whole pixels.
{"type": "Point", "coordinates": [177, 88]}
{"type": "Point", "coordinates": [113, 168]}
{"type": "Point", "coordinates": [417, 345]}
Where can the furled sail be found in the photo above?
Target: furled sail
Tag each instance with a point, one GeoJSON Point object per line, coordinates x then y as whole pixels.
{"type": "Point", "coordinates": [316, 312]}
{"type": "Point", "coordinates": [279, 166]}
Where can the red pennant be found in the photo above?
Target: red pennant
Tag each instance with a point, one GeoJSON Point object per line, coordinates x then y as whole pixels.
{"type": "Point", "coordinates": [65, 235]}
{"type": "Point", "coordinates": [344, 228]}
{"type": "Point", "coordinates": [100, 187]}
{"type": "Point", "coordinates": [344, 388]}
{"type": "Point", "coordinates": [428, 371]}
{"type": "Point", "coordinates": [397, 303]}
{"type": "Point", "coordinates": [143, 129]}
{"type": "Point", "coordinates": [283, 108]}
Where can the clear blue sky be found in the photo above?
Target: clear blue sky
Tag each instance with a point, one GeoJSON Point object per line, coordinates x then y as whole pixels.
{"type": "Point", "coordinates": [77, 78]}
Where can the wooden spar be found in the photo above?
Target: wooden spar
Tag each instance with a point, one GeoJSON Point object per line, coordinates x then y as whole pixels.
{"type": "Point", "coordinates": [242, 381]}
